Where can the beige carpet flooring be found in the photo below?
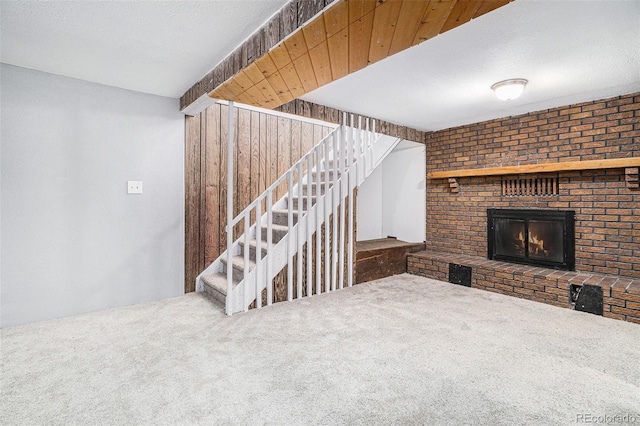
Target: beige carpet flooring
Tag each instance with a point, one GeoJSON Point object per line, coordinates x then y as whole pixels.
{"type": "Point", "coordinates": [399, 351]}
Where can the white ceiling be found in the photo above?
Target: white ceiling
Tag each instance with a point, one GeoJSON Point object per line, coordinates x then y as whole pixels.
{"type": "Point", "coordinates": [570, 51]}
{"type": "Point", "coordinates": [157, 47]}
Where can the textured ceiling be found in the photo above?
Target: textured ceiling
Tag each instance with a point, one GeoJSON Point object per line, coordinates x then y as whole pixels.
{"type": "Point", "coordinates": [570, 51]}
{"type": "Point", "coordinates": [158, 47]}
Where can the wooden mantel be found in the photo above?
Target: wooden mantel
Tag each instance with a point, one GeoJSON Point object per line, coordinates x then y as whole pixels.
{"type": "Point", "coordinates": [613, 163]}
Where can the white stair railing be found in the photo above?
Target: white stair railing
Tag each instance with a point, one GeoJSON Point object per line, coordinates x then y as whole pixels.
{"type": "Point", "coordinates": [331, 170]}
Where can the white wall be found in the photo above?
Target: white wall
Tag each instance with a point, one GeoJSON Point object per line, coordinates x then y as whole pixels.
{"type": "Point", "coordinates": [391, 201]}
{"type": "Point", "coordinates": [72, 240]}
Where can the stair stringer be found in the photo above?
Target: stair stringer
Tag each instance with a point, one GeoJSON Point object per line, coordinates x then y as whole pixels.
{"type": "Point", "coordinates": [347, 181]}
{"type": "Point", "coordinates": [245, 292]}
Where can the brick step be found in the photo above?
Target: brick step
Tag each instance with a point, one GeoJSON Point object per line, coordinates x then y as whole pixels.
{"type": "Point", "coordinates": [621, 295]}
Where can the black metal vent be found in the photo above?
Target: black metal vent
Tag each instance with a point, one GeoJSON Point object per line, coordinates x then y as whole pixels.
{"type": "Point", "coordinates": [459, 274]}
{"type": "Point", "coordinates": [589, 299]}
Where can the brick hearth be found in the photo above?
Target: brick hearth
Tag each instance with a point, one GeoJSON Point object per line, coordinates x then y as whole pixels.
{"type": "Point", "coordinates": [607, 208]}
{"type": "Point", "coordinates": [621, 295]}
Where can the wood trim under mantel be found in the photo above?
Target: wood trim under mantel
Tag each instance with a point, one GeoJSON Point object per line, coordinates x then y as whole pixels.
{"type": "Point", "coordinates": [611, 163]}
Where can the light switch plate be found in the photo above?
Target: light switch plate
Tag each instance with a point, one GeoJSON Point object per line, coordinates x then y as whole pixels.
{"type": "Point", "coordinates": [134, 187]}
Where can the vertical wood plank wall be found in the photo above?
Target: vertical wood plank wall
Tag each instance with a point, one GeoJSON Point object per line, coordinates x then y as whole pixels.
{"type": "Point", "coordinates": [334, 115]}
{"type": "Point", "coordinates": [265, 146]}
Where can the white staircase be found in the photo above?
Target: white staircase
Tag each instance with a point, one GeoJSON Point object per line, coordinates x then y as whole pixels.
{"type": "Point", "coordinates": [319, 187]}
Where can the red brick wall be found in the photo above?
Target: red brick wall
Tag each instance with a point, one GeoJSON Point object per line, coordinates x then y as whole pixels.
{"type": "Point", "coordinates": [607, 212]}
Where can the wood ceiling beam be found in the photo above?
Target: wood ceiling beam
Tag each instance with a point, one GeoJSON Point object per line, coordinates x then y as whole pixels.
{"type": "Point", "coordinates": [311, 43]}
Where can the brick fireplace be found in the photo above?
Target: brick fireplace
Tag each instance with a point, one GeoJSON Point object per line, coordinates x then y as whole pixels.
{"type": "Point", "coordinates": [606, 201]}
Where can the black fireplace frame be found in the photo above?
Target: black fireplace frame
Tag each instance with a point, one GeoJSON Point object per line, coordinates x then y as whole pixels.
{"type": "Point", "coordinates": [566, 217]}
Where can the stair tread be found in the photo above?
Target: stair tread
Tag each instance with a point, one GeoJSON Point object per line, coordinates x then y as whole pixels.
{"type": "Point", "coordinates": [313, 197]}
{"type": "Point", "coordinates": [277, 227]}
{"type": "Point", "coordinates": [285, 211]}
{"type": "Point", "coordinates": [218, 282]}
{"type": "Point", "coordinates": [254, 243]}
{"type": "Point", "coordinates": [238, 262]}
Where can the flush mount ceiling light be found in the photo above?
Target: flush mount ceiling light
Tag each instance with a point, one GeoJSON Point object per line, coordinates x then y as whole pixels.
{"type": "Point", "coordinates": [509, 89]}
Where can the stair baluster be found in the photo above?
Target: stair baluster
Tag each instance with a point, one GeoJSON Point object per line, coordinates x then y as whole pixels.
{"type": "Point", "coordinates": [318, 186]}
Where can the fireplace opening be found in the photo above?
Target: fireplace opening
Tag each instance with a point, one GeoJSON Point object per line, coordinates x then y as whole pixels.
{"type": "Point", "coordinates": [533, 237]}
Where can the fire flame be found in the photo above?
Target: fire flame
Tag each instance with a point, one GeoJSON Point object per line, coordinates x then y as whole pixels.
{"type": "Point", "coordinates": [536, 245]}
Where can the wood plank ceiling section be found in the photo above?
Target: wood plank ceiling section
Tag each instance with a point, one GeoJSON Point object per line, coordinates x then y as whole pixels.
{"type": "Point", "coordinates": [342, 39]}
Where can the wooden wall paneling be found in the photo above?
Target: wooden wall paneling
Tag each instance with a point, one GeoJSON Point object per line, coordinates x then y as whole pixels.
{"type": "Point", "coordinates": [212, 184]}
{"type": "Point", "coordinates": [236, 59]}
{"type": "Point", "coordinates": [383, 127]}
{"type": "Point", "coordinates": [265, 146]}
{"type": "Point", "coordinates": [280, 87]}
{"type": "Point", "coordinates": [266, 65]}
{"type": "Point", "coordinates": [222, 202]}
{"type": "Point", "coordinates": [304, 109]}
{"type": "Point", "coordinates": [227, 67]}
{"type": "Point", "coordinates": [291, 79]}
{"type": "Point", "coordinates": [254, 73]}
{"type": "Point", "coordinates": [272, 32]}
{"type": "Point", "coordinates": [462, 12]}
{"type": "Point", "coordinates": [359, 41]}
{"type": "Point", "coordinates": [317, 111]}
{"type": "Point", "coordinates": [264, 158]}
{"type": "Point", "coordinates": [384, 25]}
{"type": "Point", "coordinates": [193, 259]}
{"type": "Point", "coordinates": [412, 134]}
{"type": "Point", "coordinates": [242, 78]}
{"type": "Point", "coordinates": [433, 20]}
{"type": "Point", "coordinates": [296, 143]}
{"type": "Point", "coordinates": [318, 135]}
{"type": "Point", "coordinates": [248, 50]}
{"type": "Point", "coordinates": [288, 19]}
{"type": "Point", "coordinates": [305, 71]}
{"type": "Point", "coordinates": [272, 99]}
{"type": "Point", "coordinates": [321, 64]}
{"type": "Point", "coordinates": [360, 8]}
{"type": "Point", "coordinates": [488, 5]}
{"type": "Point", "coordinates": [222, 92]}
{"type": "Point", "coordinates": [235, 87]}
{"type": "Point", "coordinates": [314, 32]}
{"type": "Point", "coordinates": [408, 23]}
{"type": "Point", "coordinates": [234, 175]}
{"type": "Point", "coordinates": [284, 151]}
{"type": "Point", "coordinates": [327, 131]}
{"type": "Point", "coordinates": [218, 77]}
{"type": "Point", "coordinates": [307, 9]}
{"type": "Point", "coordinates": [401, 132]}
{"type": "Point", "coordinates": [272, 147]}
{"type": "Point", "coordinates": [364, 30]}
{"type": "Point", "coordinates": [242, 166]}
{"type": "Point", "coordinates": [280, 56]}
{"type": "Point", "coordinates": [296, 45]}
{"type": "Point", "coordinates": [203, 192]}
{"type": "Point", "coordinates": [306, 140]}
{"type": "Point", "coordinates": [254, 181]}
{"type": "Point", "coordinates": [336, 18]}
{"type": "Point", "coordinates": [287, 108]}
{"type": "Point", "coordinates": [255, 93]}
{"type": "Point", "coordinates": [332, 115]}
